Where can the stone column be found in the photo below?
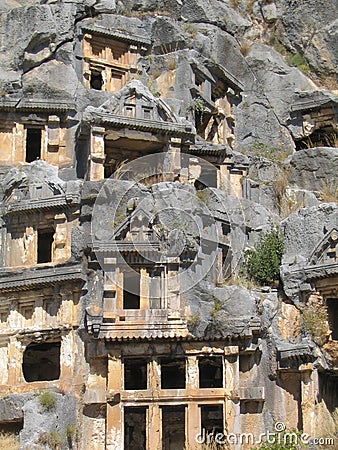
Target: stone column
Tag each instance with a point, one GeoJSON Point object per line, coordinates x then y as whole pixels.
{"type": "Point", "coordinates": [172, 164]}
{"type": "Point", "coordinates": [53, 140]}
{"type": "Point", "coordinates": [61, 244]}
{"type": "Point", "coordinates": [119, 289]}
{"type": "Point", "coordinates": [193, 420]}
{"type": "Point", "coordinates": [19, 145]}
{"type": "Point", "coordinates": [67, 354]}
{"type": "Point", "coordinates": [144, 289]}
{"type": "Point", "coordinates": [114, 437]}
{"type": "Point", "coordinates": [236, 182]}
{"type": "Point", "coordinates": [109, 296]}
{"type": "Point", "coordinates": [309, 391]}
{"type": "Point", "coordinates": [38, 317]}
{"type": "Point", "coordinates": [153, 426]}
{"type": "Point", "coordinates": [97, 154]}
{"type": "Point", "coordinates": [154, 378]}
{"type": "Point", "coordinates": [192, 375]}
{"type": "Point", "coordinates": [232, 403]}
{"type": "Point", "coordinates": [193, 425]}
{"type": "Point", "coordinates": [223, 178]}
{"type": "Point", "coordinates": [173, 289]}
{"type": "Point", "coordinates": [15, 355]}
{"type": "Point", "coordinates": [67, 305]}
{"type": "Point", "coordinates": [4, 360]}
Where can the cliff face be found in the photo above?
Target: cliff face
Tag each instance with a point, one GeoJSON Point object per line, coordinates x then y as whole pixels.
{"type": "Point", "coordinates": [169, 226]}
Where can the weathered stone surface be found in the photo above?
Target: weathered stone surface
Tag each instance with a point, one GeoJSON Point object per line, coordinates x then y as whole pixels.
{"type": "Point", "coordinates": [194, 56]}
{"type": "Point", "coordinates": [39, 423]}
{"type": "Point", "coordinates": [314, 169]}
{"type": "Point", "coordinates": [52, 80]}
{"type": "Point", "coordinates": [11, 407]}
{"type": "Point", "coordinates": [306, 228]}
{"type": "Point", "coordinates": [315, 36]}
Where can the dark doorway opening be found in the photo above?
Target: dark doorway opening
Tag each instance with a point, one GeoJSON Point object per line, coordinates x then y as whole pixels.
{"type": "Point", "coordinates": [11, 427]}
{"type": "Point", "coordinates": [328, 390]}
{"type": "Point", "coordinates": [135, 428]}
{"type": "Point", "coordinates": [135, 374]}
{"type": "Point", "coordinates": [332, 311]}
{"type": "Point", "coordinates": [173, 373]}
{"type": "Point", "coordinates": [212, 419]}
{"type": "Point", "coordinates": [131, 291]}
{"type": "Point", "coordinates": [45, 243]}
{"type": "Point", "coordinates": [211, 372]}
{"type": "Point", "coordinates": [41, 362]}
{"type": "Point", "coordinates": [96, 80]}
{"type": "Point", "coordinates": [33, 144]}
{"type": "Point", "coordinates": [173, 427]}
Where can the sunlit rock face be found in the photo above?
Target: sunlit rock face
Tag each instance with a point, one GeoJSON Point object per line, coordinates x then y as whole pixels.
{"type": "Point", "coordinates": [153, 157]}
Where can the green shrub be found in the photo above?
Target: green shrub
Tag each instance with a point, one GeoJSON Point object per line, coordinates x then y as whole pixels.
{"type": "Point", "coordinates": [217, 307]}
{"type": "Point", "coordinates": [203, 195]}
{"type": "Point", "coordinates": [56, 438]}
{"type": "Point", "coordinates": [71, 431]}
{"type": "Point", "coordinates": [264, 260]}
{"type": "Point", "coordinates": [273, 153]}
{"type": "Point", "coordinates": [47, 401]}
{"type": "Point", "coordinates": [194, 320]}
{"type": "Point", "coordinates": [298, 60]}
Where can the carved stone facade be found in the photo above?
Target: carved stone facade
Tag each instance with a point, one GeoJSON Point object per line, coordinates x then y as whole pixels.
{"type": "Point", "coordinates": [94, 303]}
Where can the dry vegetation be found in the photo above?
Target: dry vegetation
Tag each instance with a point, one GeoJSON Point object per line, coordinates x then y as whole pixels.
{"type": "Point", "coordinates": [9, 442]}
{"type": "Point", "coordinates": [329, 191]}
{"type": "Point", "coordinates": [314, 320]}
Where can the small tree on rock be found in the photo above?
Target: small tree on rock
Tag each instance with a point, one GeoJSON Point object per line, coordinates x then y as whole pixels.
{"type": "Point", "coordinates": [264, 260]}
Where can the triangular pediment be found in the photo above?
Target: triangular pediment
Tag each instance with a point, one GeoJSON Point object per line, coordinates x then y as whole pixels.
{"type": "Point", "coordinates": [136, 226]}
{"type": "Point", "coordinates": [136, 101]}
{"type": "Point", "coordinates": [140, 231]}
{"type": "Point", "coordinates": [134, 106]}
{"type": "Point", "coordinates": [326, 251]}
{"type": "Point", "coordinates": [37, 181]}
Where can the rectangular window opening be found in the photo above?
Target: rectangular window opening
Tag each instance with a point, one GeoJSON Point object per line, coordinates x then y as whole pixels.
{"type": "Point", "coordinates": [131, 290]}
{"type": "Point", "coordinates": [45, 244]}
{"type": "Point", "coordinates": [11, 428]}
{"type": "Point", "coordinates": [33, 144]}
{"type": "Point", "coordinates": [173, 373]}
{"type": "Point", "coordinates": [212, 419]}
{"type": "Point", "coordinates": [173, 427]}
{"type": "Point", "coordinates": [211, 372]}
{"type": "Point", "coordinates": [135, 428]}
{"type": "Point", "coordinates": [41, 362]}
{"type": "Point", "coordinates": [135, 374]}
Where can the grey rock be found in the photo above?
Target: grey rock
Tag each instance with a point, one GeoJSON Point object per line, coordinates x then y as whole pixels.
{"type": "Point", "coordinates": [269, 12]}
{"type": "Point", "coordinates": [105, 6]}
{"type": "Point", "coordinates": [53, 80]}
{"type": "Point", "coordinates": [314, 168]}
{"type": "Point", "coordinates": [304, 229]}
{"type": "Point", "coordinates": [11, 406]}
{"type": "Point", "coordinates": [38, 423]}
{"type": "Point", "coordinates": [310, 28]}
{"type": "Point", "coordinates": [215, 13]}
{"type": "Point", "coordinates": [33, 31]}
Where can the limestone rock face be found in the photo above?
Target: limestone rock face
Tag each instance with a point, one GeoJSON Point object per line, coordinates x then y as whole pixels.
{"type": "Point", "coordinates": [54, 422]}
{"type": "Point", "coordinates": [314, 169]}
{"type": "Point", "coordinates": [313, 34]}
{"type": "Point", "coordinates": [147, 149]}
